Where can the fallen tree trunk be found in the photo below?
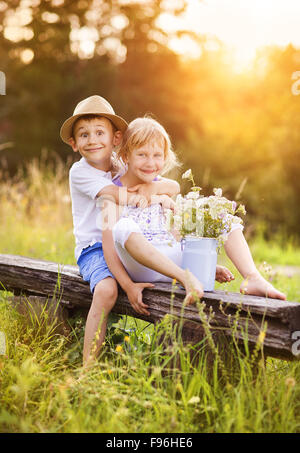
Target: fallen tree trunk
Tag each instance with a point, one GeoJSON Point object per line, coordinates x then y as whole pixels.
{"type": "Point", "coordinates": [232, 313]}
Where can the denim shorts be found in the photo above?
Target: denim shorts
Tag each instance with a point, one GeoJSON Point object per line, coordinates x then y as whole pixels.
{"type": "Point", "coordinates": [92, 265]}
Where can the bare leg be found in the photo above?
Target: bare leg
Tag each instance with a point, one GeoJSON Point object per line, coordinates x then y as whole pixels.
{"type": "Point", "coordinates": [147, 255]}
{"type": "Point", "coordinates": [238, 251]}
{"type": "Point", "coordinates": [104, 298]}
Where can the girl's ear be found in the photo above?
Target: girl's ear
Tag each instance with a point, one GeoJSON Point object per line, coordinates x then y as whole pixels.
{"type": "Point", "coordinates": [72, 143]}
{"type": "Point", "coordinates": [118, 138]}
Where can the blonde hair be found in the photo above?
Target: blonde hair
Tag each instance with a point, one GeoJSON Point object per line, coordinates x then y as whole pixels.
{"type": "Point", "coordinates": [141, 131]}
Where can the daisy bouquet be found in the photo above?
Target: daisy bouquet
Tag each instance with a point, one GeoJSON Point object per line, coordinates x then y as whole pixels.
{"type": "Point", "coordinates": [198, 216]}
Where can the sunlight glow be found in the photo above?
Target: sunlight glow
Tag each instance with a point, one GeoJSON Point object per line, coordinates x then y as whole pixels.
{"type": "Point", "coordinates": [27, 56]}
{"type": "Point", "coordinates": [244, 26]}
{"type": "Point", "coordinates": [83, 41]}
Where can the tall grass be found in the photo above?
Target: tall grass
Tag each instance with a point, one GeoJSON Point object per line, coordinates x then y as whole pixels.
{"type": "Point", "coordinates": [135, 387]}
{"type": "Point", "coordinates": [36, 216]}
{"type": "Point", "coordinates": [140, 383]}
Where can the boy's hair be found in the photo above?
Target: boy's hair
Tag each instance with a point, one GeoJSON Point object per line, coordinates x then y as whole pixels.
{"type": "Point", "coordinates": [144, 130]}
{"type": "Point", "coordinates": [90, 117]}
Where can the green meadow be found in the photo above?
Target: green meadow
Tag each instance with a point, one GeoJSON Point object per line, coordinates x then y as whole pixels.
{"type": "Point", "coordinates": [135, 385]}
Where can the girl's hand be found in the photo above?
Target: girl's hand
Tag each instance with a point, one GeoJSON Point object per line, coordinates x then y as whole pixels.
{"type": "Point", "coordinates": [134, 294]}
{"type": "Point", "coordinates": [164, 200]}
{"type": "Point", "coordinates": [137, 200]}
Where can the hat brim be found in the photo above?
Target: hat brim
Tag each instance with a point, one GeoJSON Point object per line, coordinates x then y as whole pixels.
{"type": "Point", "coordinates": [66, 128]}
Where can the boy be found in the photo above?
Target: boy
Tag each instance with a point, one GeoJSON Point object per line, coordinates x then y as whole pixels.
{"type": "Point", "coordinates": [94, 130]}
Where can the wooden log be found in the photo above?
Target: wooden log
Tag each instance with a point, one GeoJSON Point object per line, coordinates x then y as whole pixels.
{"type": "Point", "coordinates": [233, 313]}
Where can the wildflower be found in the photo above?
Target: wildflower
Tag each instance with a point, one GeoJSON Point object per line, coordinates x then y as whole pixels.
{"type": "Point", "coordinates": [179, 201]}
{"type": "Point", "coordinates": [148, 404]}
{"type": "Point", "coordinates": [194, 400]}
{"type": "Point", "coordinates": [187, 174]}
{"type": "Point", "coordinates": [177, 222]}
{"type": "Point", "coordinates": [218, 192]}
{"type": "Point", "coordinates": [199, 223]}
{"type": "Point", "coordinates": [192, 196]}
{"type": "Point", "coordinates": [214, 211]}
{"type": "Point", "coordinates": [157, 371]}
{"type": "Point", "coordinates": [261, 337]}
{"type": "Point", "coordinates": [201, 202]}
{"type": "Point", "coordinates": [127, 339]}
{"type": "Point", "coordinates": [241, 209]}
{"type": "Point", "coordinates": [189, 203]}
{"type": "Point", "coordinates": [196, 189]}
{"type": "Point", "coordinates": [169, 219]}
{"type": "Point", "coordinates": [119, 348]}
{"type": "Point", "coordinates": [290, 382]}
{"type": "Point", "coordinates": [236, 219]}
{"type": "Point", "coordinates": [210, 217]}
{"type": "Point", "coordinates": [174, 281]}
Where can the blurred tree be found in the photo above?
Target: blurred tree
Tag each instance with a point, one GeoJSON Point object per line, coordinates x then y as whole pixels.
{"type": "Point", "coordinates": [57, 52]}
{"type": "Point", "coordinates": [229, 127]}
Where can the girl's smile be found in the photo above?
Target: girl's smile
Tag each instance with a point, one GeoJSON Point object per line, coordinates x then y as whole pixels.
{"type": "Point", "coordinates": [148, 172]}
{"type": "Point", "coordinates": [145, 163]}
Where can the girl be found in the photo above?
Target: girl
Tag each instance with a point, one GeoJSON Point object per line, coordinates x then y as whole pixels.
{"type": "Point", "coordinates": [147, 250]}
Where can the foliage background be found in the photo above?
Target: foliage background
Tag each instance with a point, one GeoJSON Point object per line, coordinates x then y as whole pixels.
{"type": "Point", "coordinates": [236, 130]}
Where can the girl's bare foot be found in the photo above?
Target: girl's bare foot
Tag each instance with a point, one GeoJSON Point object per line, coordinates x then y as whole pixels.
{"type": "Point", "coordinates": [193, 288]}
{"type": "Point", "coordinates": [223, 274]}
{"type": "Point", "coordinates": [256, 285]}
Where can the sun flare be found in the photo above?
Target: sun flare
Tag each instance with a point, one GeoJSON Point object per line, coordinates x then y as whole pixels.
{"type": "Point", "coordinates": [242, 26]}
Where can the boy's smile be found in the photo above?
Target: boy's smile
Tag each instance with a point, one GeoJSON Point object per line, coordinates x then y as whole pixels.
{"type": "Point", "coordinates": [95, 139]}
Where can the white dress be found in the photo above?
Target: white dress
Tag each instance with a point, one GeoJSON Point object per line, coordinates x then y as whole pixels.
{"type": "Point", "coordinates": [150, 222]}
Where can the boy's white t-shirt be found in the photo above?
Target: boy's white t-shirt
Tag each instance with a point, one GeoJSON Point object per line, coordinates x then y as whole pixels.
{"type": "Point", "coordinates": [85, 183]}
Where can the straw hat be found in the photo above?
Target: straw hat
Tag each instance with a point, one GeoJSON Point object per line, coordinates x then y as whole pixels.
{"type": "Point", "coordinates": [93, 105]}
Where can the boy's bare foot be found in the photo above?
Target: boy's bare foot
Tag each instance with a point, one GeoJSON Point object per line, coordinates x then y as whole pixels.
{"type": "Point", "coordinates": [256, 285]}
{"type": "Point", "coordinates": [223, 274]}
{"type": "Point", "coordinates": [193, 288]}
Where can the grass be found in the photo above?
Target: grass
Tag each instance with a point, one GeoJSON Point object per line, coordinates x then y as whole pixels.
{"type": "Point", "coordinates": [134, 386]}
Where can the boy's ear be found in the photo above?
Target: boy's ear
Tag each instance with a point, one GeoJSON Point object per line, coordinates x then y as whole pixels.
{"type": "Point", "coordinates": [118, 138]}
{"type": "Point", "coordinates": [72, 143]}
